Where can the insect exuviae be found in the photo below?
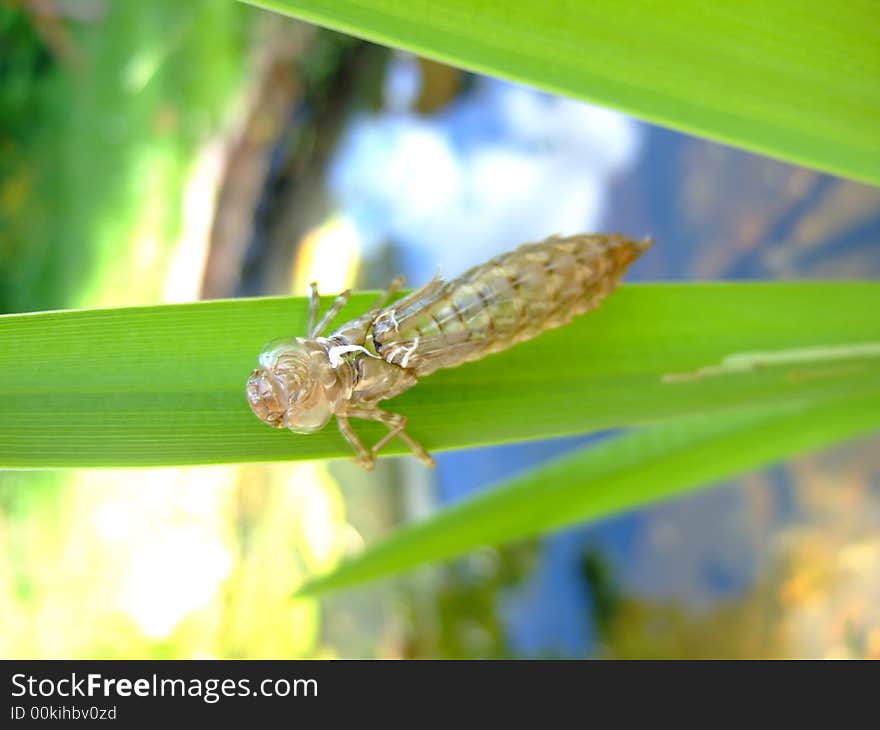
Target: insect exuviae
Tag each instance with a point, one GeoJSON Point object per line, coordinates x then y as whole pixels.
{"type": "Point", "coordinates": [302, 382]}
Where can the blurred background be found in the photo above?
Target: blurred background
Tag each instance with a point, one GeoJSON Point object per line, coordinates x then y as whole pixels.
{"type": "Point", "coordinates": [167, 152]}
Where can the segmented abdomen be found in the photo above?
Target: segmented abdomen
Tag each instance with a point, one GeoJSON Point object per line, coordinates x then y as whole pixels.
{"type": "Point", "coordinates": [507, 300]}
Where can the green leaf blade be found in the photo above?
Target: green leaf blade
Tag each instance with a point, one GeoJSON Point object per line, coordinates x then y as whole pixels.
{"type": "Point", "coordinates": [795, 80]}
{"type": "Point", "coordinates": [165, 385]}
{"type": "Point", "coordinates": [620, 473]}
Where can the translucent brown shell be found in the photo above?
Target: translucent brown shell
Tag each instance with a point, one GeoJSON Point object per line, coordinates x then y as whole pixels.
{"type": "Point", "coordinates": [302, 381]}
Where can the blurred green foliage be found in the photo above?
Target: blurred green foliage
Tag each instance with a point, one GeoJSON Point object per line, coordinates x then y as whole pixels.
{"type": "Point", "coordinates": [458, 617]}
{"type": "Point", "coordinates": [24, 64]}
{"type": "Point", "coordinates": [100, 142]}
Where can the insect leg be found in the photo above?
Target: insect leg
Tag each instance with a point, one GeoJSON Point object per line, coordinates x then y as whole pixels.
{"type": "Point", "coordinates": [396, 423]}
{"type": "Point", "coordinates": [363, 457]}
{"type": "Point", "coordinates": [391, 289]}
{"type": "Point", "coordinates": [338, 304]}
{"type": "Point", "coordinates": [314, 303]}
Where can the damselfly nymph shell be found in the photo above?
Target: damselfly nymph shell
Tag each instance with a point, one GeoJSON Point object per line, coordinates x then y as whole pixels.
{"type": "Point", "coordinates": [301, 382]}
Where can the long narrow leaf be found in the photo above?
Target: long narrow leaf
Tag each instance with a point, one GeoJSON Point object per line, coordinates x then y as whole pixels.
{"type": "Point", "coordinates": [638, 468]}
{"type": "Point", "coordinates": [794, 79]}
{"type": "Point", "coordinates": [165, 385]}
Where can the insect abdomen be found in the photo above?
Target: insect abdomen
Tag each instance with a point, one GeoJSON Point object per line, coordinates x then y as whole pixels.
{"type": "Point", "coordinates": [509, 299]}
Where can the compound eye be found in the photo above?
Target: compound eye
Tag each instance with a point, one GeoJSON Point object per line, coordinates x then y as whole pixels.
{"type": "Point", "coordinates": [267, 397]}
